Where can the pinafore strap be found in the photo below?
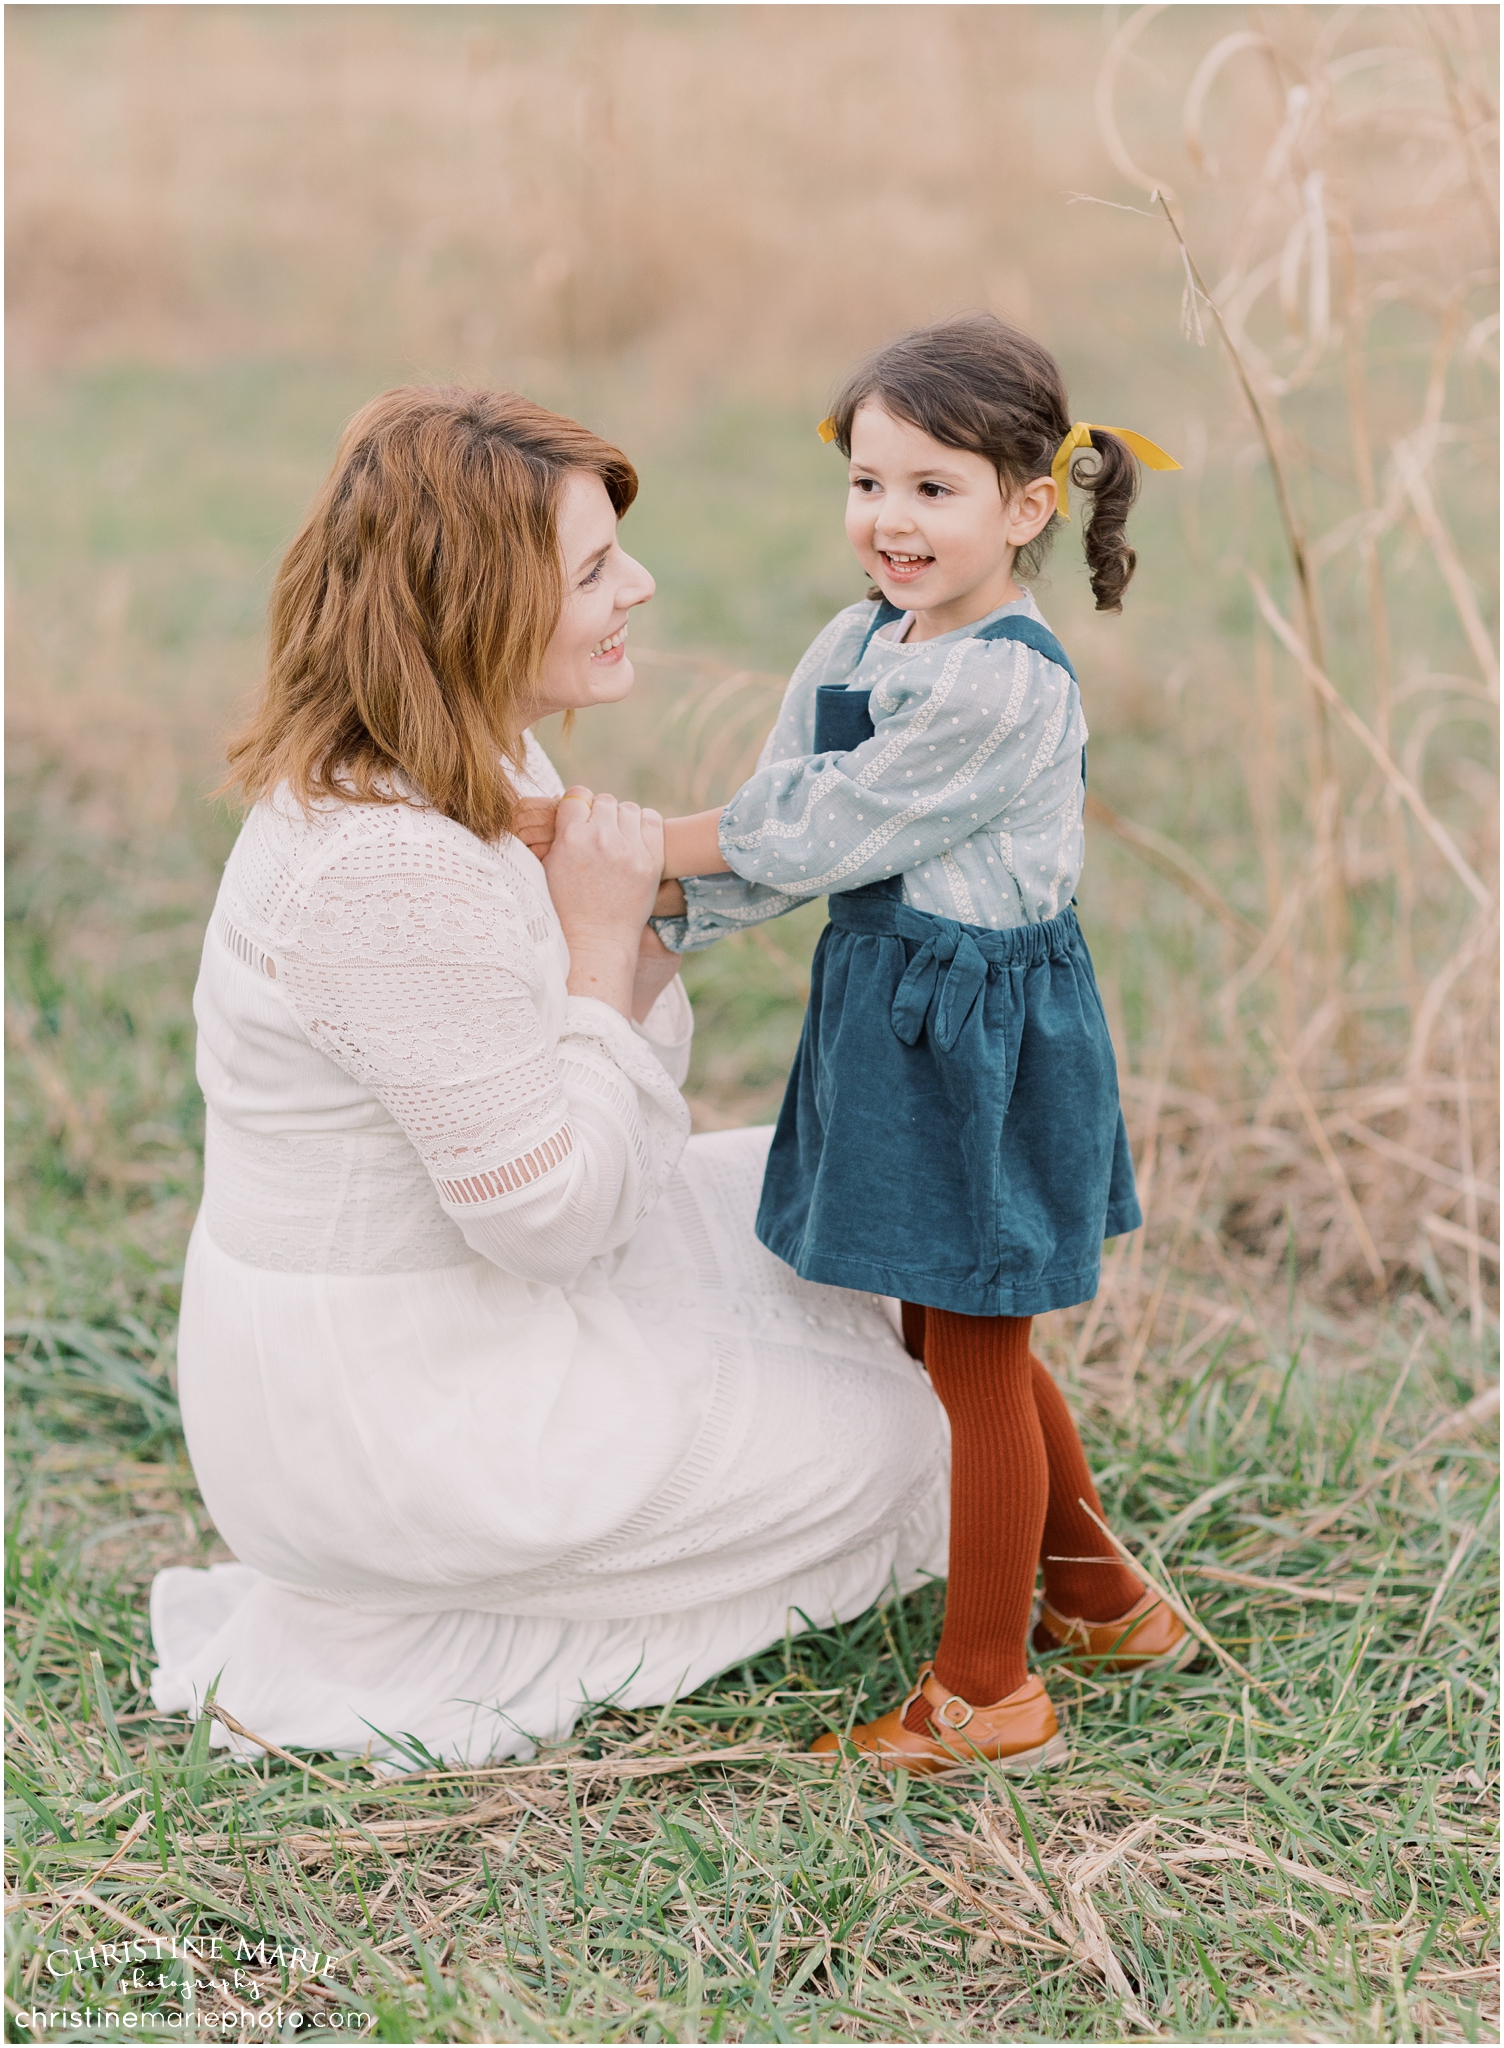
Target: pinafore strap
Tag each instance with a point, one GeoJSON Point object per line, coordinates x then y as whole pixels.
{"type": "Point", "coordinates": [843, 717]}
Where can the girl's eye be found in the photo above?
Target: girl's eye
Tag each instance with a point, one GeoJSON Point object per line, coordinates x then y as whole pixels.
{"type": "Point", "coordinates": [865, 484]}
{"type": "Point", "coordinates": [934, 490]}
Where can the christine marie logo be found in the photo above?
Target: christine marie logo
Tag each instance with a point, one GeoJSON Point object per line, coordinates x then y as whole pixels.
{"type": "Point", "coordinates": [217, 1965]}
{"type": "Point", "coordinates": [198, 1948]}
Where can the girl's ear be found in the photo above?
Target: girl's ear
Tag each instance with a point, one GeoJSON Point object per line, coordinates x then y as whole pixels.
{"type": "Point", "coordinates": [1031, 511]}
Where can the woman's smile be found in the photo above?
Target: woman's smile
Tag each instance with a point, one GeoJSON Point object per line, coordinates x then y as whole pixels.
{"type": "Point", "coordinates": [583, 665]}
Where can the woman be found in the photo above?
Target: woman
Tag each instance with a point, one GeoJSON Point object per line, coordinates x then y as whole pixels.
{"type": "Point", "coordinates": [486, 1381]}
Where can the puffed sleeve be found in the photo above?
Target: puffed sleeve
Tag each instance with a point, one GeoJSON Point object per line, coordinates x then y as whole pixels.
{"type": "Point", "coordinates": [413, 968]}
{"type": "Point", "coordinates": [717, 905]}
{"type": "Point", "coordinates": [960, 738]}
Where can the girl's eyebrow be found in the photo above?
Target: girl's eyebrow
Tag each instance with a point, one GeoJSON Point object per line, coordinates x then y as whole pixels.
{"type": "Point", "coordinates": [914, 476]}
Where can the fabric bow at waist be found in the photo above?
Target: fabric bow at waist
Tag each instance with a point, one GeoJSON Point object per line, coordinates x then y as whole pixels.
{"type": "Point", "coordinates": [940, 986]}
{"type": "Point", "coordinates": [948, 972]}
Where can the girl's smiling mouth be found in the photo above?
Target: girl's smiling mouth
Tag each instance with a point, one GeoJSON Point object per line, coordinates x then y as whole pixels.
{"type": "Point", "coordinates": [903, 568]}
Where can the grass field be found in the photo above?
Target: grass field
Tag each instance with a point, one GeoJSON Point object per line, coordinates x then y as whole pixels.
{"type": "Point", "coordinates": [229, 226]}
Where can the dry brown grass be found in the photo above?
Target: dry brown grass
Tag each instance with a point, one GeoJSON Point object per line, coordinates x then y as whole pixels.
{"type": "Point", "coordinates": [735, 201]}
{"type": "Point", "coordinates": [743, 189]}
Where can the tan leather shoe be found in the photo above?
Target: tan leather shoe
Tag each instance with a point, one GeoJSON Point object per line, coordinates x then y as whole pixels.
{"type": "Point", "coordinates": [1149, 1637]}
{"type": "Point", "coordinates": [1020, 1732]}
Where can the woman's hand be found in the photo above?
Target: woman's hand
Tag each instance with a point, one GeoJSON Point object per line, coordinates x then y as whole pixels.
{"type": "Point", "coordinates": [691, 846]}
{"type": "Point", "coordinates": [603, 872]}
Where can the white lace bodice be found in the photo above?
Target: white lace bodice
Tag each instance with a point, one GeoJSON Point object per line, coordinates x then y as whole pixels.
{"type": "Point", "coordinates": [396, 1078]}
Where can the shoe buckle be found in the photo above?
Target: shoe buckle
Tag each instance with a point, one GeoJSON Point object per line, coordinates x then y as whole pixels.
{"type": "Point", "coordinates": [943, 1713]}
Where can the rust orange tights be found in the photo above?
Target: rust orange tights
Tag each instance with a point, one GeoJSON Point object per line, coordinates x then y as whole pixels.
{"type": "Point", "coordinates": [1017, 1474]}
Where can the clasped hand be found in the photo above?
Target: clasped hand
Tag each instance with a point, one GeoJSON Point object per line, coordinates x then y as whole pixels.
{"type": "Point", "coordinates": [604, 863]}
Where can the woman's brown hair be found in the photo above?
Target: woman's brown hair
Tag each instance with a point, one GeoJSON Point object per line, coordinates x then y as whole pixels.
{"type": "Point", "coordinates": [410, 616]}
{"type": "Point", "coordinates": [979, 384]}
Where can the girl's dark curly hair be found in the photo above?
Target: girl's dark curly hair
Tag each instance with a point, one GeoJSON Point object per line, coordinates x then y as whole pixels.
{"type": "Point", "coordinates": [979, 384]}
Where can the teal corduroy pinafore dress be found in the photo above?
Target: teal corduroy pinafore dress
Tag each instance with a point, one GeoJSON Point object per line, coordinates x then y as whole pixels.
{"type": "Point", "coordinates": [951, 1132]}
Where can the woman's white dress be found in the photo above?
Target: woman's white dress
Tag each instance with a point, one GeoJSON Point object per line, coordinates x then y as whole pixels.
{"type": "Point", "coordinates": [487, 1384]}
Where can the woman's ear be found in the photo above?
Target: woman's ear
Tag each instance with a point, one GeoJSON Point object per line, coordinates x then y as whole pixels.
{"type": "Point", "coordinates": [1031, 511]}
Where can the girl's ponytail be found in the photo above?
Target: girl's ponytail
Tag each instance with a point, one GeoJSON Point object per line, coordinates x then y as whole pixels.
{"type": "Point", "coordinates": [1112, 484]}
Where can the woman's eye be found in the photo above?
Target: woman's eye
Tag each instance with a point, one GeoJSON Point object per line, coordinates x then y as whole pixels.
{"type": "Point", "coordinates": [595, 575]}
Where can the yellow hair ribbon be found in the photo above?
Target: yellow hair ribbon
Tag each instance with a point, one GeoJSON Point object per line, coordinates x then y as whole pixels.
{"type": "Point", "coordinates": [827, 429]}
{"type": "Point", "coordinates": [1080, 437]}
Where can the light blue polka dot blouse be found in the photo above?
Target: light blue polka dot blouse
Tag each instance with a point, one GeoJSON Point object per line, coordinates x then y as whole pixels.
{"type": "Point", "coordinates": [970, 788]}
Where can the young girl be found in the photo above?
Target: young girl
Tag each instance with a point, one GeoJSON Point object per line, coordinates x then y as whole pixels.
{"type": "Point", "coordinates": [951, 1132]}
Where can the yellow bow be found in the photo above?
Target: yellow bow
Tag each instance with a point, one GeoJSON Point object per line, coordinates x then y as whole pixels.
{"type": "Point", "coordinates": [1080, 437]}
{"type": "Point", "coordinates": [827, 429]}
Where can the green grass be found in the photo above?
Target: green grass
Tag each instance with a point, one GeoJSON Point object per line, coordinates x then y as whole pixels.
{"type": "Point", "coordinates": [1304, 1853]}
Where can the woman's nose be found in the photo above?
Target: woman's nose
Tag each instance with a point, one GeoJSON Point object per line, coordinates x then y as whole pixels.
{"type": "Point", "coordinates": [637, 587]}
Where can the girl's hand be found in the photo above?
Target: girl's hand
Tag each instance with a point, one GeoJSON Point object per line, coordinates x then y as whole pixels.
{"type": "Point", "coordinates": [656, 967]}
{"type": "Point", "coordinates": [692, 846]}
{"type": "Point", "coordinates": [533, 823]}
{"type": "Point", "coordinates": [603, 871]}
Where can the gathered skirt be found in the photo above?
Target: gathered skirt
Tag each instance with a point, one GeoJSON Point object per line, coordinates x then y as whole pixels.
{"type": "Point", "coordinates": [951, 1132]}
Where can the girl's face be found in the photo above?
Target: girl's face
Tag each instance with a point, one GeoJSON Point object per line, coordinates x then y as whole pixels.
{"type": "Point", "coordinates": [586, 662]}
{"type": "Point", "coordinates": [931, 525]}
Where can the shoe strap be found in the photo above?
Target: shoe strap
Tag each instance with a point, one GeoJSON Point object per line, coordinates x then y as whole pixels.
{"type": "Point", "coordinates": [917, 1693]}
{"type": "Point", "coordinates": [1069, 1629]}
{"type": "Point", "coordinates": [941, 1702]}
{"type": "Point", "coordinates": [1065, 1628]}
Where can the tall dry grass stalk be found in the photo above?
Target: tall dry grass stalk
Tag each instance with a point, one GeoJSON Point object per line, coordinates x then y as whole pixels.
{"type": "Point", "coordinates": [1345, 1117]}
{"type": "Point", "coordinates": [1331, 232]}
{"type": "Point", "coordinates": [1292, 811]}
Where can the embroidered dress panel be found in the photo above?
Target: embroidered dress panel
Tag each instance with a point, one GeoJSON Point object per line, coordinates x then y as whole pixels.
{"type": "Point", "coordinates": [969, 789]}
{"type": "Point", "coordinates": [447, 1104]}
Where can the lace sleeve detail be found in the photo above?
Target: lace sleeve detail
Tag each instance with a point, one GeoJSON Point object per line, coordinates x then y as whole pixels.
{"type": "Point", "coordinates": [512, 1174]}
{"type": "Point", "coordinates": [413, 956]}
